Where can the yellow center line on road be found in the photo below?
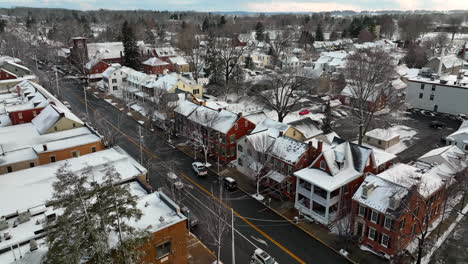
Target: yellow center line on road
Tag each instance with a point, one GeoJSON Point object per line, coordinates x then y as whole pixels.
{"type": "Point", "coordinates": [146, 150]}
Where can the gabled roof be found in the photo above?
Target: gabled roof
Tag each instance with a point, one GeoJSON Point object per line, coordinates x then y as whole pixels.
{"type": "Point", "coordinates": [463, 129]}
{"type": "Point", "coordinates": [256, 117]}
{"type": "Point", "coordinates": [451, 155]}
{"type": "Point", "coordinates": [273, 127]}
{"type": "Point", "coordinates": [155, 62]}
{"type": "Point", "coordinates": [219, 120]}
{"type": "Point", "coordinates": [288, 150]}
{"type": "Point", "coordinates": [308, 127]}
{"type": "Point", "coordinates": [186, 108]}
{"type": "Point", "coordinates": [260, 141]}
{"type": "Point", "coordinates": [50, 115]}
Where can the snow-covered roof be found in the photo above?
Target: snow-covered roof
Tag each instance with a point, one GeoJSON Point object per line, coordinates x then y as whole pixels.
{"type": "Point", "coordinates": [16, 186]}
{"type": "Point", "coordinates": [179, 60]}
{"type": "Point", "coordinates": [165, 51]}
{"type": "Point", "coordinates": [308, 127]}
{"type": "Point", "coordinates": [260, 141]}
{"type": "Point", "coordinates": [186, 108]}
{"type": "Point", "coordinates": [382, 134]}
{"type": "Point", "coordinates": [67, 143]}
{"type": "Point", "coordinates": [273, 127]}
{"type": "Point", "coordinates": [256, 117]}
{"type": "Point", "coordinates": [288, 150]}
{"type": "Point", "coordinates": [50, 115]}
{"type": "Point", "coordinates": [108, 50]}
{"type": "Point", "coordinates": [462, 130]}
{"type": "Point", "coordinates": [346, 162]}
{"type": "Point", "coordinates": [110, 70]}
{"type": "Point", "coordinates": [379, 193]}
{"type": "Point", "coordinates": [450, 61]}
{"type": "Point", "coordinates": [153, 61]}
{"type": "Point", "coordinates": [398, 84]}
{"type": "Point", "coordinates": [224, 121]}
{"type": "Point", "coordinates": [166, 82]}
{"type": "Point", "coordinates": [451, 155]}
{"type": "Point", "coordinates": [276, 176]}
{"type": "Point", "coordinates": [219, 120]}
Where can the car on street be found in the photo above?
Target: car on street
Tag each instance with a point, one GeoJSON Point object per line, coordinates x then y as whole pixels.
{"type": "Point", "coordinates": [192, 219]}
{"type": "Point", "coordinates": [261, 257]}
{"type": "Point", "coordinates": [304, 112]}
{"type": "Point", "coordinates": [200, 168]}
{"type": "Point", "coordinates": [230, 184]}
{"type": "Point", "coordinates": [437, 125]}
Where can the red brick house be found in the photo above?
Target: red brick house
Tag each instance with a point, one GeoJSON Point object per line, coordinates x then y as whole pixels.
{"type": "Point", "coordinates": [324, 190]}
{"type": "Point", "coordinates": [288, 155]}
{"type": "Point", "coordinates": [6, 75]}
{"type": "Point", "coordinates": [391, 208]}
{"type": "Point", "coordinates": [216, 130]}
{"type": "Point", "coordinates": [95, 68]}
{"type": "Point", "coordinates": [156, 66]}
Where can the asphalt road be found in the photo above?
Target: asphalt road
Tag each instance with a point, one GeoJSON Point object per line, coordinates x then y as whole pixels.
{"type": "Point", "coordinates": [256, 224]}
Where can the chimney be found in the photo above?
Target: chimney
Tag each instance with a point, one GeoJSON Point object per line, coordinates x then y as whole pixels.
{"type": "Point", "coordinates": [239, 115]}
{"type": "Point", "coordinates": [219, 109]}
{"type": "Point", "coordinates": [442, 54]}
{"type": "Point", "coordinates": [319, 147]}
{"type": "Point", "coordinates": [281, 133]}
{"type": "Point", "coordinates": [44, 146]}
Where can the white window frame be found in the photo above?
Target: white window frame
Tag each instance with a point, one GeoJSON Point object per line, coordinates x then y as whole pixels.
{"type": "Point", "coordinates": [370, 232]}
{"type": "Point", "coordinates": [382, 240]}
{"type": "Point", "coordinates": [372, 217]}
{"type": "Point", "coordinates": [363, 211]}
{"type": "Point", "coordinates": [322, 162]}
{"type": "Point", "coordinates": [388, 220]}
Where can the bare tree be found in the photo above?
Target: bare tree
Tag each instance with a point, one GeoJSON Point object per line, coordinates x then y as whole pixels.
{"type": "Point", "coordinates": [229, 56]}
{"type": "Point", "coordinates": [202, 135]}
{"type": "Point", "coordinates": [282, 93]}
{"type": "Point", "coordinates": [279, 44]}
{"type": "Point", "coordinates": [110, 135]}
{"type": "Point", "coordinates": [189, 44]}
{"type": "Point", "coordinates": [368, 74]}
{"type": "Point", "coordinates": [435, 44]}
{"type": "Point", "coordinates": [454, 23]}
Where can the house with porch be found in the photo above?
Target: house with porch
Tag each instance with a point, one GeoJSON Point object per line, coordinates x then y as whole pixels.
{"type": "Point", "coordinates": [324, 189]}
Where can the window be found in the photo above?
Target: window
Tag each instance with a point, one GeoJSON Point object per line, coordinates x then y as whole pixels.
{"type": "Point", "coordinates": [232, 138]}
{"type": "Point", "coordinates": [75, 154]}
{"type": "Point", "coordinates": [74, 125]}
{"type": "Point", "coordinates": [431, 97]}
{"type": "Point", "coordinates": [385, 240]}
{"type": "Point", "coordinates": [9, 169]}
{"type": "Point", "coordinates": [380, 142]}
{"type": "Point", "coordinates": [402, 223]}
{"type": "Point", "coordinates": [236, 126]}
{"type": "Point", "coordinates": [246, 123]}
{"type": "Point", "coordinates": [420, 95]}
{"type": "Point", "coordinates": [239, 148]}
{"type": "Point", "coordinates": [163, 249]}
{"type": "Point", "coordinates": [466, 147]}
{"type": "Point", "coordinates": [374, 216]}
{"type": "Point", "coordinates": [388, 223]}
{"type": "Point", "coordinates": [93, 149]}
{"type": "Point", "coordinates": [31, 164]}
{"type": "Point", "coordinates": [433, 87]}
{"type": "Point", "coordinates": [323, 165]}
{"type": "Point", "coordinates": [52, 159]}
{"type": "Point", "coordinates": [114, 80]}
{"type": "Point", "coordinates": [413, 228]}
{"type": "Point", "coordinates": [371, 234]}
{"type": "Point", "coordinates": [55, 128]}
{"type": "Point", "coordinates": [362, 210]}
{"type": "Point", "coordinates": [422, 86]}
{"type": "Point", "coordinates": [239, 161]}
{"type": "Point", "coordinates": [34, 113]}
{"type": "Point", "coordinates": [233, 152]}
{"type": "Point", "coordinates": [20, 115]}
{"type": "Point", "coordinates": [114, 88]}
{"type": "Point", "coordinates": [294, 133]}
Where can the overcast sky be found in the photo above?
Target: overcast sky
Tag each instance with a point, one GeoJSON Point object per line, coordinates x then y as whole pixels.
{"type": "Point", "coordinates": [246, 5]}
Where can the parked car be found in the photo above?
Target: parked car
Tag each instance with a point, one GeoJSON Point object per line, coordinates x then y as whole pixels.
{"type": "Point", "coordinates": [67, 104]}
{"type": "Point", "coordinates": [230, 184]}
{"type": "Point", "coordinates": [304, 112]}
{"type": "Point", "coordinates": [200, 168]}
{"type": "Point", "coordinates": [261, 257]}
{"type": "Point", "coordinates": [192, 219]}
{"type": "Point", "coordinates": [437, 124]}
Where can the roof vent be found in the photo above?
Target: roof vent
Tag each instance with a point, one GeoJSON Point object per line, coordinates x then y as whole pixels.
{"type": "Point", "coordinates": [161, 219]}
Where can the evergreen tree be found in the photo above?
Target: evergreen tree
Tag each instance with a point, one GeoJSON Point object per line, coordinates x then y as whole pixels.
{"type": "Point", "coordinates": [334, 35]}
{"type": "Point", "coordinates": [326, 125]}
{"type": "Point", "coordinates": [259, 31]}
{"type": "Point", "coordinates": [30, 20]}
{"type": "Point", "coordinates": [2, 25]}
{"type": "Point", "coordinates": [249, 64]}
{"type": "Point", "coordinates": [130, 47]}
{"type": "Point", "coordinates": [267, 38]}
{"type": "Point", "coordinates": [306, 38]}
{"type": "Point", "coordinates": [319, 33]}
{"type": "Point", "coordinates": [205, 25]}
{"type": "Point", "coordinates": [222, 21]}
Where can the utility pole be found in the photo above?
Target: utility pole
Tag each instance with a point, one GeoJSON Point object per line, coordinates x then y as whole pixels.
{"type": "Point", "coordinates": [233, 234]}
{"type": "Point", "coordinates": [85, 101]}
{"type": "Point", "coordinates": [56, 81]}
{"type": "Point", "coordinates": [141, 148]}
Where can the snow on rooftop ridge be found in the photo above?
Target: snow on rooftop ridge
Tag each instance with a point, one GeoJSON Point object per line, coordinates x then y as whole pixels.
{"type": "Point", "coordinates": [273, 127]}
{"type": "Point", "coordinates": [288, 150]}
{"type": "Point", "coordinates": [382, 134]}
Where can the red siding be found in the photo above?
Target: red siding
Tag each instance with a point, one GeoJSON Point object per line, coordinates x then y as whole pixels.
{"type": "Point", "coordinates": [24, 116]}
{"type": "Point", "coordinates": [6, 76]}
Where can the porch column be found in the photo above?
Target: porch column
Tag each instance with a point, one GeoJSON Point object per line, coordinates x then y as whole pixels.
{"type": "Point", "coordinates": [327, 202]}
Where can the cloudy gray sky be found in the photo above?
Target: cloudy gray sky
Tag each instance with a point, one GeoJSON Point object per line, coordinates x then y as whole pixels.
{"type": "Point", "coordinates": [246, 5]}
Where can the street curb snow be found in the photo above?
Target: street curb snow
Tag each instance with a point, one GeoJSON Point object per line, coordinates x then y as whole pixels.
{"type": "Point", "coordinates": [444, 236]}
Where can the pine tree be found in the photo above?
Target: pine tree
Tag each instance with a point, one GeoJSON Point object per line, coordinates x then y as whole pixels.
{"type": "Point", "coordinates": [205, 25]}
{"type": "Point", "coordinates": [326, 125]}
{"type": "Point", "coordinates": [222, 21]}
{"type": "Point", "coordinates": [259, 31]}
{"type": "Point", "coordinates": [130, 47]}
{"type": "Point", "coordinates": [2, 25]}
{"type": "Point", "coordinates": [319, 33]}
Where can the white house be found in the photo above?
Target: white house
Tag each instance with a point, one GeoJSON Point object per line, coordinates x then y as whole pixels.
{"type": "Point", "coordinates": [114, 79]}
{"type": "Point", "coordinates": [448, 94]}
{"type": "Point", "coordinates": [459, 138]}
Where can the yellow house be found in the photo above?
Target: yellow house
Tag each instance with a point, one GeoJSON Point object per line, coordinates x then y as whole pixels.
{"type": "Point", "coordinates": [304, 129]}
{"type": "Point", "coordinates": [173, 81]}
{"type": "Point", "coordinates": [53, 119]}
{"type": "Point", "coordinates": [293, 133]}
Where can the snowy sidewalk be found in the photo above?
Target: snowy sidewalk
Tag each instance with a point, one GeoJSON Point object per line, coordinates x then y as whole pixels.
{"type": "Point", "coordinates": [444, 236]}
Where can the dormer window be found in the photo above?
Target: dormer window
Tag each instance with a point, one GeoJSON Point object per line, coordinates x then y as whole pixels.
{"type": "Point", "coordinates": [323, 165]}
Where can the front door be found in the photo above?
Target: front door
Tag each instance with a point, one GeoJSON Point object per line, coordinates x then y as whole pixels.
{"type": "Point", "coordinates": [360, 226]}
{"type": "Point", "coordinates": [436, 108]}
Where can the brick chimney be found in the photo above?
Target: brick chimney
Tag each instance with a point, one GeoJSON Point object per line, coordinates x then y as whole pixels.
{"type": "Point", "coordinates": [281, 133]}
{"type": "Point", "coordinates": [319, 147]}
{"type": "Point", "coordinates": [239, 115]}
{"type": "Point", "coordinates": [44, 146]}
